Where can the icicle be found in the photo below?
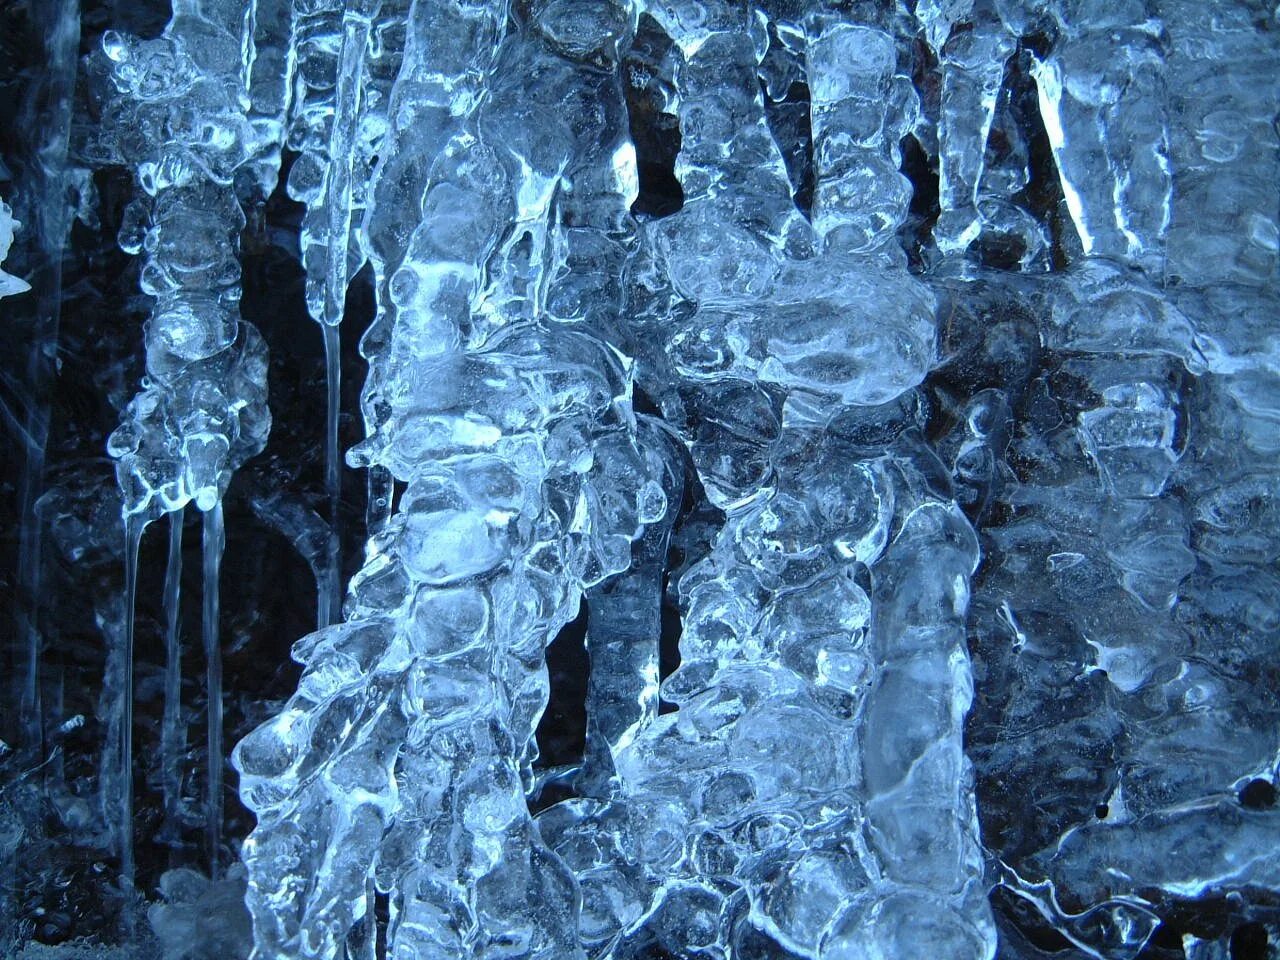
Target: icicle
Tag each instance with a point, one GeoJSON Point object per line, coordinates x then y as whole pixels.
{"type": "Point", "coordinates": [49, 222]}
{"type": "Point", "coordinates": [355, 40]}
{"type": "Point", "coordinates": [172, 734]}
{"type": "Point", "coordinates": [214, 542]}
{"type": "Point", "coordinates": [337, 200]}
{"type": "Point", "coordinates": [330, 584]}
{"type": "Point", "coordinates": [624, 631]}
{"type": "Point", "coordinates": [55, 772]}
{"type": "Point", "coordinates": [134, 524]}
{"type": "Point", "coordinates": [973, 66]}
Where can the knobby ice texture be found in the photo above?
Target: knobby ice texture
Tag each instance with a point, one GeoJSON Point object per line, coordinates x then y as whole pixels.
{"type": "Point", "coordinates": [883, 398]}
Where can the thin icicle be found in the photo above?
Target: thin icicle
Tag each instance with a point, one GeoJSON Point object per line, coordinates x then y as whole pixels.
{"type": "Point", "coordinates": [214, 543]}
{"type": "Point", "coordinates": [134, 524]}
{"type": "Point", "coordinates": [330, 585]}
{"type": "Point", "coordinates": [49, 222]}
{"type": "Point", "coordinates": [310, 534]}
{"type": "Point", "coordinates": [337, 200]}
{"type": "Point", "coordinates": [172, 734]}
{"type": "Point", "coordinates": [55, 772]}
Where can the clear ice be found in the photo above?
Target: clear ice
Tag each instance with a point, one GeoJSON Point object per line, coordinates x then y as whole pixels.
{"type": "Point", "coordinates": [880, 400]}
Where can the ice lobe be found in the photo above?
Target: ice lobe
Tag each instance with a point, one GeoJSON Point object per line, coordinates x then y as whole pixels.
{"type": "Point", "coordinates": [9, 284]}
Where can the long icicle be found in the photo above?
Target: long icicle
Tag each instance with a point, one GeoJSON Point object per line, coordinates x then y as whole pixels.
{"type": "Point", "coordinates": [214, 543]}
{"type": "Point", "coordinates": [196, 418]}
{"type": "Point", "coordinates": [50, 222]}
{"type": "Point", "coordinates": [330, 584]}
{"type": "Point", "coordinates": [56, 778]}
{"type": "Point", "coordinates": [172, 735]}
{"type": "Point", "coordinates": [356, 27]}
{"type": "Point", "coordinates": [134, 524]}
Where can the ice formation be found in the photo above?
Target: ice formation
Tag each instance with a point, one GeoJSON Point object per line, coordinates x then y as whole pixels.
{"type": "Point", "coordinates": [9, 285]}
{"type": "Point", "coordinates": [919, 359]}
{"type": "Point", "coordinates": [198, 118]}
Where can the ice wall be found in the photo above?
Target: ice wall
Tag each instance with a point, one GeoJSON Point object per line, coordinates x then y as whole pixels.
{"type": "Point", "coordinates": [888, 391]}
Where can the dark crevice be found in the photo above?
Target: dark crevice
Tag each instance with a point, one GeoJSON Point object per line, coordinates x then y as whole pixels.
{"type": "Point", "coordinates": [791, 125]}
{"type": "Point", "coordinates": [669, 647]}
{"type": "Point", "coordinates": [382, 921]}
{"type": "Point", "coordinates": [562, 731]}
{"type": "Point", "coordinates": [696, 524]}
{"type": "Point", "coordinates": [924, 210]}
{"type": "Point", "coordinates": [1249, 941]}
{"type": "Point", "coordinates": [146, 19]}
{"type": "Point", "coordinates": [1258, 795]}
{"type": "Point", "coordinates": [1042, 196]}
{"type": "Point", "coordinates": [647, 70]}
{"type": "Point", "coordinates": [1027, 923]}
{"type": "Point", "coordinates": [641, 402]}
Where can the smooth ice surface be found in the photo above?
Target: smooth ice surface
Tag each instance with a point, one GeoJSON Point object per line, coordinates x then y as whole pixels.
{"type": "Point", "coordinates": [821, 489]}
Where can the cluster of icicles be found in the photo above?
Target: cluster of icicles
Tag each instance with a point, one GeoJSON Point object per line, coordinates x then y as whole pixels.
{"type": "Point", "coordinates": [479, 159]}
{"type": "Point", "coordinates": [497, 399]}
{"type": "Point", "coordinates": [201, 114]}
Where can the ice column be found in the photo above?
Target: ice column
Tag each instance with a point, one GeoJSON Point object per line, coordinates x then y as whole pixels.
{"type": "Point", "coordinates": [1102, 97]}
{"type": "Point", "coordinates": [46, 116]}
{"type": "Point", "coordinates": [624, 627]}
{"type": "Point", "coordinates": [1179, 386]}
{"type": "Point", "coordinates": [759, 793]}
{"type": "Point", "coordinates": [861, 107]}
{"type": "Point", "coordinates": [1142, 466]}
{"type": "Point", "coordinates": [186, 113]}
{"type": "Point", "coordinates": [973, 59]}
{"type": "Point", "coordinates": [1223, 226]}
{"type": "Point", "coordinates": [403, 755]}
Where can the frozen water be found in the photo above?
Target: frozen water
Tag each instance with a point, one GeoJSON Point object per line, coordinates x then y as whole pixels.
{"type": "Point", "coordinates": [861, 416]}
{"type": "Point", "coordinates": [9, 285]}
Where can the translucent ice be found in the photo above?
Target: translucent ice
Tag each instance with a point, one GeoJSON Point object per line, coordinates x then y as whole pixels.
{"type": "Point", "coordinates": [821, 480]}
{"type": "Point", "coordinates": [9, 284]}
